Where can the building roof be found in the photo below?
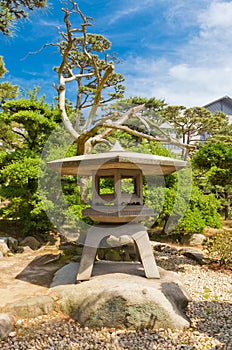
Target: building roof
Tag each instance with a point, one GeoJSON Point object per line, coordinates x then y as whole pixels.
{"type": "Point", "coordinates": [223, 104]}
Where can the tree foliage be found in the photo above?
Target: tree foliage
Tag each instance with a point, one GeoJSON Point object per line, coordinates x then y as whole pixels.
{"type": "Point", "coordinates": [202, 212]}
{"type": "Point", "coordinates": [85, 61]}
{"type": "Point", "coordinates": [222, 135]}
{"type": "Point", "coordinates": [13, 10]}
{"type": "Point", "coordinates": [213, 161]}
{"type": "Point", "coordinates": [192, 122]}
{"type": "Point", "coordinates": [29, 123]}
{"type": "Point", "coordinates": [190, 213]}
{"type": "Point", "coordinates": [7, 90]}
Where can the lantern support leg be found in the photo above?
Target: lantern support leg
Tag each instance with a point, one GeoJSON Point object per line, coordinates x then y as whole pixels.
{"type": "Point", "coordinates": [94, 237]}
{"type": "Point", "coordinates": [89, 252]}
{"type": "Point", "coordinates": [146, 254]}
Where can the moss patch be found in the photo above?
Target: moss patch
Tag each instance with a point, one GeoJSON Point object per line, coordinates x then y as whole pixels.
{"type": "Point", "coordinates": [116, 313]}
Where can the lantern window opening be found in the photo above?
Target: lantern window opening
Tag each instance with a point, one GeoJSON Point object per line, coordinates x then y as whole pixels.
{"type": "Point", "coordinates": [128, 185]}
{"type": "Point", "coordinates": [106, 185]}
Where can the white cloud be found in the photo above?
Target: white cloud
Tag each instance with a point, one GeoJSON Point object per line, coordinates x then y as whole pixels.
{"type": "Point", "coordinates": [212, 47]}
{"type": "Point", "coordinates": [219, 14]}
{"type": "Point", "coordinates": [180, 84]}
{"type": "Point", "coordinates": [203, 65]}
{"type": "Point", "coordinates": [133, 7]}
{"type": "Point", "coordinates": [54, 24]}
{"type": "Point", "coordinates": [122, 13]}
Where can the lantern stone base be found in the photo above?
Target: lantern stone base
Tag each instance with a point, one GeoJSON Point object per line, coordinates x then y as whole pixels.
{"type": "Point", "coordinates": [118, 295]}
{"type": "Point", "coordinates": [134, 230]}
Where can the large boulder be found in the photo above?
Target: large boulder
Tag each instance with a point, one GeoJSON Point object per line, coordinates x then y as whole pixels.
{"type": "Point", "coordinates": [126, 299]}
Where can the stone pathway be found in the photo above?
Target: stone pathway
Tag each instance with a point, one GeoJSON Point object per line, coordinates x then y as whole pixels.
{"type": "Point", "coordinates": [26, 276]}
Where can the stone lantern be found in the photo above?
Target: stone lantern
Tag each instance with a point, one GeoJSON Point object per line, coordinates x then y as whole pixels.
{"type": "Point", "coordinates": [118, 209]}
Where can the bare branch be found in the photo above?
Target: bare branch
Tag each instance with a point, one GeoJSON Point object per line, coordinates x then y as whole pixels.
{"type": "Point", "coordinates": [155, 126]}
{"type": "Point", "coordinates": [97, 97]}
{"type": "Point", "coordinates": [77, 76]}
{"type": "Point", "coordinates": [106, 127]}
{"type": "Point", "coordinates": [55, 87]}
{"type": "Point", "coordinates": [144, 122]}
{"type": "Point", "coordinates": [21, 134]}
{"type": "Point", "coordinates": [99, 139]}
{"type": "Point", "coordinates": [139, 134]}
{"type": "Point", "coordinates": [67, 123]}
{"type": "Point", "coordinates": [120, 121]}
{"type": "Point", "coordinates": [131, 112]}
{"type": "Point", "coordinates": [38, 51]}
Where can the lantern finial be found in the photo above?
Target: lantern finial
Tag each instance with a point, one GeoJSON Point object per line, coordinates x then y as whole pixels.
{"type": "Point", "coordinates": [117, 147]}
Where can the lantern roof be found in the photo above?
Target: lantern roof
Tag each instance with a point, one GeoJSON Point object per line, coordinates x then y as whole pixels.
{"type": "Point", "coordinates": [117, 158]}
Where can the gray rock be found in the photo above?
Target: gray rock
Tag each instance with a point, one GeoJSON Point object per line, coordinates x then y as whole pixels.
{"type": "Point", "coordinates": [66, 275]}
{"type": "Point", "coordinates": [193, 239]}
{"type": "Point", "coordinates": [11, 242]}
{"type": "Point", "coordinates": [163, 247]}
{"type": "Point", "coordinates": [31, 242]}
{"type": "Point", "coordinates": [6, 324]}
{"type": "Point", "coordinates": [124, 300]}
{"type": "Point", "coordinates": [193, 254]}
{"type": "Point", "coordinates": [4, 247]}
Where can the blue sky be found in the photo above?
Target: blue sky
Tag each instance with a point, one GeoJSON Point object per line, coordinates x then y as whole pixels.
{"type": "Point", "coordinates": [177, 50]}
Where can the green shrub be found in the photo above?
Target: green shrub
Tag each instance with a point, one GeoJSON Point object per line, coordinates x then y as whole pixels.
{"type": "Point", "coordinates": [192, 222]}
{"type": "Point", "coordinates": [219, 247]}
{"type": "Point", "coordinates": [202, 212]}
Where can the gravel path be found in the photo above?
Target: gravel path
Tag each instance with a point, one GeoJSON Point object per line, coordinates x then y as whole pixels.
{"type": "Point", "coordinates": [210, 312]}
